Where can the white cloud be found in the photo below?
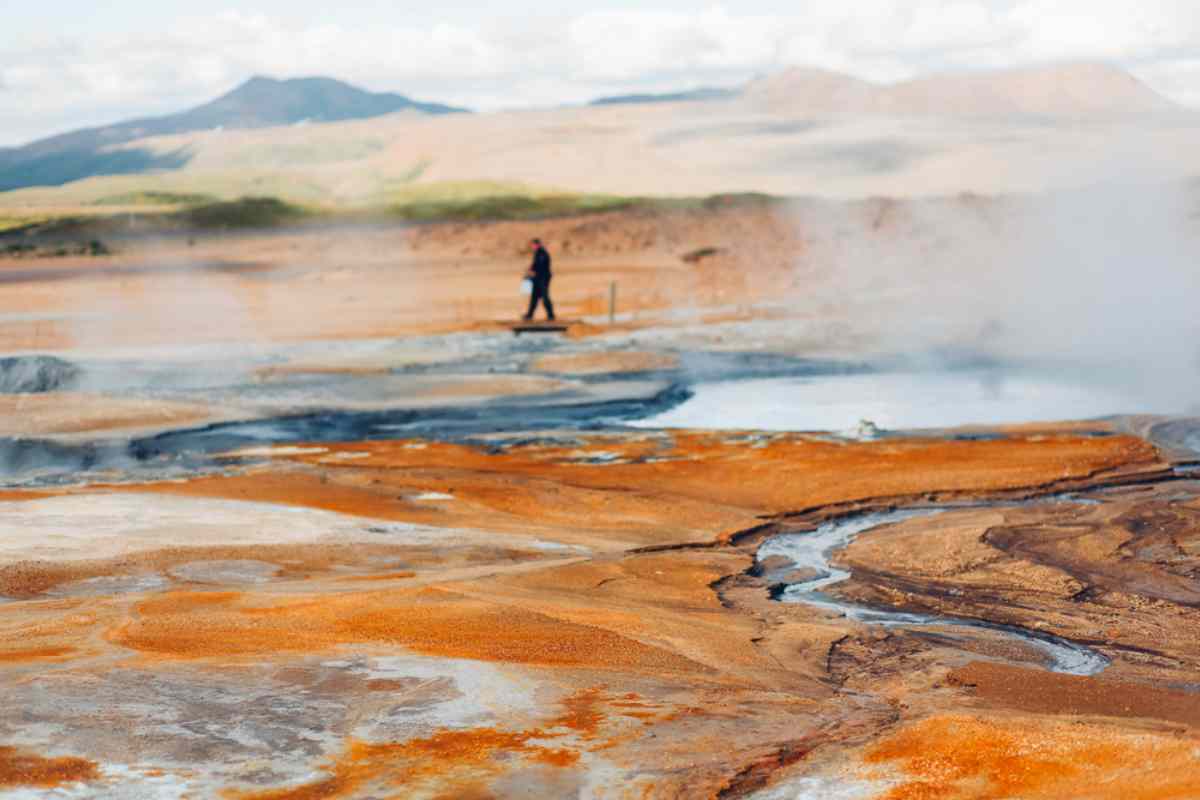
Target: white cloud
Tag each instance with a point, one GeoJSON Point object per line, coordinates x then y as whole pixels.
{"type": "Point", "coordinates": [56, 83]}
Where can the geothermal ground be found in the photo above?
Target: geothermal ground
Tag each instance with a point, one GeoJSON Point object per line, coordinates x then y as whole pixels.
{"type": "Point", "coordinates": [297, 516]}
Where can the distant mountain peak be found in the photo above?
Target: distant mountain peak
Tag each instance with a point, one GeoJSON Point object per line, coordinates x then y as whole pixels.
{"type": "Point", "coordinates": [1085, 87]}
{"type": "Point", "coordinates": [698, 95]}
{"type": "Point", "coordinates": [258, 102]}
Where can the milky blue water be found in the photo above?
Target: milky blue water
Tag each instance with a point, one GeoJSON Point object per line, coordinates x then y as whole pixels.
{"type": "Point", "coordinates": [903, 400]}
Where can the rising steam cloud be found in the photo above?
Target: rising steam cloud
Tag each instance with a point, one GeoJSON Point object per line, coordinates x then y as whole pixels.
{"type": "Point", "coordinates": [1100, 281]}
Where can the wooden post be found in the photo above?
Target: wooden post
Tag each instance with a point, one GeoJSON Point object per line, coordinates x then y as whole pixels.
{"type": "Point", "coordinates": [612, 302]}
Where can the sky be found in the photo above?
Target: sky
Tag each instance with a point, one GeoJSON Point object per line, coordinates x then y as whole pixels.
{"type": "Point", "coordinates": [66, 64]}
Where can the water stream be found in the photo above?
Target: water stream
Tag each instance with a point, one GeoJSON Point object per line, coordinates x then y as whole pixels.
{"type": "Point", "coordinates": [813, 551]}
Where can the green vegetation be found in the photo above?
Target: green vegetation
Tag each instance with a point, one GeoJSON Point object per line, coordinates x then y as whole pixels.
{"type": "Point", "coordinates": [479, 201]}
{"type": "Point", "coordinates": [469, 204]}
{"type": "Point", "coordinates": [695, 256]}
{"type": "Point", "coordinates": [739, 200]}
{"type": "Point", "coordinates": [415, 172]}
{"type": "Point", "coordinates": [152, 198]}
{"type": "Point", "coordinates": [246, 212]}
{"type": "Point", "coordinates": [134, 209]}
{"type": "Point", "coordinates": [94, 247]}
{"type": "Point", "coordinates": [508, 207]}
{"type": "Point", "coordinates": [16, 224]}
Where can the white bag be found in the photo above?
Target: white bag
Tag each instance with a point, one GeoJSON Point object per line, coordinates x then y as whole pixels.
{"type": "Point", "coordinates": [527, 287]}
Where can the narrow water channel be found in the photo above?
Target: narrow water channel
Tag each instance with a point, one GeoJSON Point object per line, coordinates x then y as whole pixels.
{"type": "Point", "coordinates": [812, 551]}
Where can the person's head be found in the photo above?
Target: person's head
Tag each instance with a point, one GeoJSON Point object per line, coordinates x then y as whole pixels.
{"type": "Point", "coordinates": [535, 244]}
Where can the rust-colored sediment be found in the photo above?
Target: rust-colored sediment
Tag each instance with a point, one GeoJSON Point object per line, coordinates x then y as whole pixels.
{"type": "Point", "coordinates": [431, 621]}
{"type": "Point", "coordinates": [49, 631]}
{"type": "Point", "coordinates": [463, 758]}
{"type": "Point", "coordinates": [680, 486]}
{"type": "Point", "coordinates": [790, 471]}
{"type": "Point", "coordinates": [582, 712]}
{"type": "Point", "coordinates": [29, 579]}
{"type": "Point", "coordinates": [35, 654]}
{"type": "Point", "coordinates": [461, 755]}
{"type": "Point", "coordinates": [958, 757]}
{"type": "Point", "coordinates": [19, 768]}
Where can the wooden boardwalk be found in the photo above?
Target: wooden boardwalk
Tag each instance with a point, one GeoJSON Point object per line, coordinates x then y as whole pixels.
{"type": "Point", "coordinates": [556, 326]}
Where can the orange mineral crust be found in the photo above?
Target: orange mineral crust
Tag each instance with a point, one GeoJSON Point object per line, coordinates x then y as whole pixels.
{"type": "Point", "coordinates": [486, 495]}
{"type": "Point", "coordinates": [18, 768]}
{"type": "Point", "coordinates": [49, 631]}
{"type": "Point", "coordinates": [432, 621]}
{"type": "Point", "coordinates": [30, 579]}
{"type": "Point", "coordinates": [456, 758]}
{"type": "Point", "coordinates": [958, 757]}
{"type": "Point", "coordinates": [792, 471]}
{"type": "Point", "coordinates": [447, 758]}
{"type": "Point", "coordinates": [661, 488]}
{"type": "Point", "coordinates": [36, 654]}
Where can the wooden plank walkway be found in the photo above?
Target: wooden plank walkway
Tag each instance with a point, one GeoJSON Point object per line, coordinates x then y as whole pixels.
{"type": "Point", "coordinates": [540, 327]}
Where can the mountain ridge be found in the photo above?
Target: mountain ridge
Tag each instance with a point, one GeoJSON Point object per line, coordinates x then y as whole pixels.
{"type": "Point", "coordinates": [258, 102]}
{"type": "Point", "coordinates": [698, 95]}
{"type": "Point", "coordinates": [1075, 88]}
{"type": "Point", "coordinates": [770, 114]}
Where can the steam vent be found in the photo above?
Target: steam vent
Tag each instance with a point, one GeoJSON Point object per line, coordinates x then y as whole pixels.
{"type": "Point", "coordinates": [861, 460]}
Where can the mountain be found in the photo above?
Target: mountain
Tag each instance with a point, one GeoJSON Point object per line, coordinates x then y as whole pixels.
{"type": "Point", "coordinates": [810, 89]}
{"type": "Point", "coordinates": [1064, 90]}
{"type": "Point", "coordinates": [1070, 89]}
{"type": "Point", "coordinates": [257, 103]}
{"type": "Point", "coordinates": [691, 96]}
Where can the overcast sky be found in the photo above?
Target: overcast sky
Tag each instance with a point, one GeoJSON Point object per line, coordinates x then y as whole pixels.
{"type": "Point", "coordinates": [70, 63]}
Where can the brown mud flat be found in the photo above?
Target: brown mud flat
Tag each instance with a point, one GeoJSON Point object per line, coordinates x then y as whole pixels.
{"type": "Point", "coordinates": [1038, 691]}
{"type": "Point", "coordinates": [1120, 574]}
{"type": "Point", "coordinates": [582, 619]}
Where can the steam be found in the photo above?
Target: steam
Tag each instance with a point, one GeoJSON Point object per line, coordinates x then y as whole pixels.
{"type": "Point", "coordinates": [1098, 282]}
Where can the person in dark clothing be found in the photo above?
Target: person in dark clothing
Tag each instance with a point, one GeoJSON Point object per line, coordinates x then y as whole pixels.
{"type": "Point", "coordinates": [539, 273]}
